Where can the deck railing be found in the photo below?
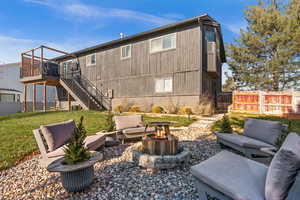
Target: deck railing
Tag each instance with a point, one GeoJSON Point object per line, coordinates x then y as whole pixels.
{"type": "Point", "coordinates": [33, 60]}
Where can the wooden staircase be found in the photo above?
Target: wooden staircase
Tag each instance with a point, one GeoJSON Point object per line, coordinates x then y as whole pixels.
{"type": "Point", "coordinates": [80, 94]}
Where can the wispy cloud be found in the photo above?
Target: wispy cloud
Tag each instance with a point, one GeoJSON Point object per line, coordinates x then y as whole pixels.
{"type": "Point", "coordinates": [11, 47]}
{"type": "Point", "coordinates": [77, 9]}
{"type": "Point", "coordinates": [236, 27]}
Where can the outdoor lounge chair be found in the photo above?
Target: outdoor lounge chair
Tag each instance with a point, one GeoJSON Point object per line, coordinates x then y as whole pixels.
{"type": "Point", "coordinates": [131, 126]}
{"type": "Point", "coordinates": [52, 140]}
{"type": "Point", "coordinates": [258, 134]}
{"type": "Point", "coordinates": [228, 176]}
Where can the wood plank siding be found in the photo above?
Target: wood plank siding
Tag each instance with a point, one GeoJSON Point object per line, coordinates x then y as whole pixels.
{"type": "Point", "coordinates": [135, 76]}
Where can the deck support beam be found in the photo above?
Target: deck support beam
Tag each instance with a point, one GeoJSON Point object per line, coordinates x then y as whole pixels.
{"type": "Point", "coordinates": [34, 98]}
{"type": "Point", "coordinates": [45, 96]}
{"type": "Point", "coordinates": [25, 97]}
{"type": "Point", "coordinates": [69, 101]}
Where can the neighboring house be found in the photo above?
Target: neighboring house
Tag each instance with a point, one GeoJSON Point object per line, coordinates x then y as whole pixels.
{"type": "Point", "coordinates": [9, 101]}
{"type": "Point", "coordinates": [11, 89]}
{"type": "Point", "coordinates": [176, 64]}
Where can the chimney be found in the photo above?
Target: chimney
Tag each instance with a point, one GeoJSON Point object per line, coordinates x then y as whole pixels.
{"type": "Point", "coordinates": [122, 35]}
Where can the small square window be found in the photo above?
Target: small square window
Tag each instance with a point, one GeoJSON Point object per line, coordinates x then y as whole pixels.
{"type": "Point", "coordinates": [164, 85]}
{"type": "Point", "coordinates": [126, 51]}
{"type": "Point", "coordinates": [91, 59]}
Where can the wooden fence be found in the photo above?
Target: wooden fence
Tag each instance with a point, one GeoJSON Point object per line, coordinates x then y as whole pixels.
{"type": "Point", "coordinates": [258, 102]}
{"type": "Point", "coordinates": [224, 100]}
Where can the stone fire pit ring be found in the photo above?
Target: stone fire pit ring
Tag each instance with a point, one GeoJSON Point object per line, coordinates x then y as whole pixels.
{"type": "Point", "coordinates": [160, 161]}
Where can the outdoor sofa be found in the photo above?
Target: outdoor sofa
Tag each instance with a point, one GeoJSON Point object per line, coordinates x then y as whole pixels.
{"type": "Point", "coordinates": [52, 140]}
{"type": "Point", "coordinates": [131, 126]}
{"type": "Point", "coordinates": [258, 136]}
{"type": "Point", "coordinates": [228, 176]}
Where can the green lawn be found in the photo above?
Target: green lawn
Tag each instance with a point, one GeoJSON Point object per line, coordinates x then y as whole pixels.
{"type": "Point", "coordinates": [17, 140]}
{"type": "Point", "coordinates": [237, 121]}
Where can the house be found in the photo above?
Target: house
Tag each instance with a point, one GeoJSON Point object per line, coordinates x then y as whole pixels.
{"type": "Point", "coordinates": [11, 90]}
{"type": "Point", "coordinates": [179, 63]}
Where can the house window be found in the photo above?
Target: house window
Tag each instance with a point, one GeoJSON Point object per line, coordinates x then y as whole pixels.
{"type": "Point", "coordinates": [7, 97]}
{"type": "Point", "coordinates": [163, 43]}
{"type": "Point", "coordinates": [91, 59]}
{"type": "Point", "coordinates": [164, 85]}
{"type": "Point", "coordinates": [126, 51]}
{"type": "Point", "coordinates": [210, 35]}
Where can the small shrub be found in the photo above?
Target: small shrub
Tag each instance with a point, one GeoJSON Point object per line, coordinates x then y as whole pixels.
{"type": "Point", "coordinates": [109, 124]}
{"type": "Point", "coordinates": [171, 109]}
{"type": "Point", "coordinates": [225, 126]}
{"type": "Point", "coordinates": [134, 108]}
{"type": "Point", "coordinates": [119, 108]}
{"type": "Point", "coordinates": [186, 111]}
{"type": "Point", "coordinates": [75, 152]}
{"type": "Point", "coordinates": [157, 109]}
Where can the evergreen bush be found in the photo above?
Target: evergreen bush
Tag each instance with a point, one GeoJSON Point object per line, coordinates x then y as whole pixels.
{"type": "Point", "coordinates": [225, 126]}
{"type": "Point", "coordinates": [109, 124]}
{"type": "Point", "coordinates": [75, 152]}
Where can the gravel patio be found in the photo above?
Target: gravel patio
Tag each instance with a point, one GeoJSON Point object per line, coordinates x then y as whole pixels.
{"type": "Point", "coordinates": [116, 176]}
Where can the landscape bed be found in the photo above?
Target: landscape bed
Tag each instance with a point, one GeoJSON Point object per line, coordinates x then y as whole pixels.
{"type": "Point", "coordinates": [17, 140]}
{"type": "Point", "coordinates": [237, 121]}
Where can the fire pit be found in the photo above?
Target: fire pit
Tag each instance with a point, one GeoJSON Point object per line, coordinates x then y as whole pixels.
{"type": "Point", "coordinates": [161, 150]}
{"type": "Point", "coordinates": [162, 143]}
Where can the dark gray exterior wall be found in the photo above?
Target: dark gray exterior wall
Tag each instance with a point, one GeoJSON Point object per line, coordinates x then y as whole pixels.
{"type": "Point", "coordinates": [133, 79]}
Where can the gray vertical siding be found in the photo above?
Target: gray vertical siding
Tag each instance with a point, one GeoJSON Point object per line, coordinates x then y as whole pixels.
{"type": "Point", "coordinates": [135, 76]}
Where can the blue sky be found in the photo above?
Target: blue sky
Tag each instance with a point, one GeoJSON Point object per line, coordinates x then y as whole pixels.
{"type": "Point", "coordinates": [74, 24]}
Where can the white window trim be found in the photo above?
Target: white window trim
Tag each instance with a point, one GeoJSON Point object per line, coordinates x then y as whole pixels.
{"type": "Point", "coordinates": [86, 60]}
{"type": "Point", "coordinates": [164, 79]}
{"type": "Point", "coordinates": [122, 58]}
{"type": "Point", "coordinates": [150, 42]}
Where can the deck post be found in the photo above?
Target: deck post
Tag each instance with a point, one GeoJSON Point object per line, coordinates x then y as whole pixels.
{"type": "Point", "coordinates": [45, 96]}
{"type": "Point", "coordinates": [25, 97]}
{"type": "Point", "coordinates": [32, 63]}
{"type": "Point", "coordinates": [34, 98]}
{"type": "Point", "coordinates": [42, 60]}
{"type": "Point", "coordinates": [69, 101]}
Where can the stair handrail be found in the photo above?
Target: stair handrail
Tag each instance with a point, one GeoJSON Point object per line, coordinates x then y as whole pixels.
{"type": "Point", "coordinates": [96, 93]}
{"type": "Point", "coordinates": [77, 88]}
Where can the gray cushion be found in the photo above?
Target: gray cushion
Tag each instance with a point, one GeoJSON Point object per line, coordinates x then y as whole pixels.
{"type": "Point", "coordinates": [264, 130]}
{"type": "Point", "coordinates": [137, 130]}
{"type": "Point", "coordinates": [294, 192]}
{"type": "Point", "coordinates": [243, 141]}
{"type": "Point", "coordinates": [233, 175]}
{"type": "Point", "coordinates": [128, 121]}
{"type": "Point", "coordinates": [283, 169]}
{"type": "Point", "coordinates": [93, 142]}
{"type": "Point", "coordinates": [58, 134]}
{"type": "Point", "coordinates": [57, 152]}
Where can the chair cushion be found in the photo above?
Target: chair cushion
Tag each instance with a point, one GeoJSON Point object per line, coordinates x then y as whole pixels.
{"type": "Point", "coordinates": [233, 175]}
{"type": "Point", "coordinates": [93, 142]}
{"type": "Point", "coordinates": [58, 134]}
{"type": "Point", "coordinates": [294, 192]}
{"type": "Point", "coordinates": [57, 152]}
{"type": "Point", "coordinates": [128, 121]}
{"type": "Point", "coordinates": [243, 141]}
{"type": "Point", "coordinates": [137, 130]}
{"type": "Point", "coordinates": [283, 168]}
{"type": "Point", "coordinates": [264, 130]}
